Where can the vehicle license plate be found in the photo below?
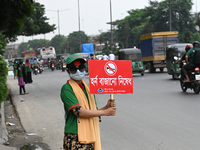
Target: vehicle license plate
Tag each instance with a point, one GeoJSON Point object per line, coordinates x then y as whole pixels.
{"type": "Point", "coordinates": [197, 77]}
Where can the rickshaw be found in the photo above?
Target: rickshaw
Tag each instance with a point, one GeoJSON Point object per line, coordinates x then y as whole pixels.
{"type": "Point", "coordinates": [173, 54]}
{"type": "Point", "coordinates": [86, 57]}
{"type": "Point", "coordinates": [135, 55]}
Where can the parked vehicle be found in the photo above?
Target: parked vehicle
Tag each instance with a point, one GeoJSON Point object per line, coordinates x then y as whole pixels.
{"type": "Point", "coordinates": [135, 55]}
{"type": "Point", "coordinates": [153, 47]}
{"type": "Point", "coordinates": [173, 54]}
{"type": "Point", "coordinates": [194, 84]}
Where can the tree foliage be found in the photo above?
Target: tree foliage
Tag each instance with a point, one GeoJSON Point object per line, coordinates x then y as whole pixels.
{"type": "Point", "coordinates": [73, 41]}
{"type": "Point", "coordinates": [37, 22]}
{"type": "Point", "coordinates": [13, 13]}
{"type": "Point", "coordinates": [59, 43]}
{"type": "Point", "coordinates": [37, 43]}
{"type": "Point", "coordinates": [155, 18]}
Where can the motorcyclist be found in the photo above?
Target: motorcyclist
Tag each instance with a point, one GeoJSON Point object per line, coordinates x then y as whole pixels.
{"type": "Point", "coordinates": [183, 57]}
{"type": "Point", "coordinates": [190, 62]}
{"type": "Point", "coordinates": [52, 61]}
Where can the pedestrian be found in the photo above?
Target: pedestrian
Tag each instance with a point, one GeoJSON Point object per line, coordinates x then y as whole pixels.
{"type": "Point", "coordinates": [111, 56]}
{"type": "Point", "coordinates": [92, 57]}
{"type": "Point", "coordinates": [82, 115]}
{"type": "Point", "coordinates": [105, 57]}
{"type": "Point", "coordinates": [15, 64]}
{"type": "Point", "coordinates": [28, 71]}
{"type": "Point", "coordinates": [21, 82]}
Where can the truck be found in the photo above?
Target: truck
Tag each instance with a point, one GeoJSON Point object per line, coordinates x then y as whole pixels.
{"type": "Point", "coordinates": [153, 47]}
{"type": "Point", "coordinates": [87, 48]}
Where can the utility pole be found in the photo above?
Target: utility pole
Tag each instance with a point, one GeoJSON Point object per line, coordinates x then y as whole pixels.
{"type": "Point", "coordinates": [58, 11]}
{"type": "Point", "coordinates": [170, 17]}
{"type": "Point", "coordinates": [79, 25]}
{"type": "Point", "coordinates": [111, 25]}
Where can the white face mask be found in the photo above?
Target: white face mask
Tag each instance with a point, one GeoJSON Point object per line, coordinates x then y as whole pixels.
{"type": "Point", "coordinates": [78, 75]}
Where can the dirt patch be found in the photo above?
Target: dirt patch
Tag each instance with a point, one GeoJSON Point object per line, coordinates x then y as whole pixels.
{"type": "Point", "coordinates": [17, 137]}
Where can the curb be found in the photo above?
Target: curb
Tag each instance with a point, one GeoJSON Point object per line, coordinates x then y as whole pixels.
{"type": "Point", "coordinates": [4, 131]}
{"type": "Point", "coordinates": [4, 137]}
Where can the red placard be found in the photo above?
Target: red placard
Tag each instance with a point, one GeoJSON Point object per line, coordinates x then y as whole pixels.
{"type": "Point", "coordinates": [110, 76]}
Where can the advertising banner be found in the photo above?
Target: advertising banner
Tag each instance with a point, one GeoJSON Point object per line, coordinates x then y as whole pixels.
{"type": "Point", "coordinates": [110, 76]}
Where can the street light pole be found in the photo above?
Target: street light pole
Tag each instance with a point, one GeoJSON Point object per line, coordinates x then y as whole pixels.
{"type": "Point", "coordinates": [58, 24]}
{"type": "Point", "coordinates": [79, 25]}
{"type": "Point", "coordinates": [111, 24]}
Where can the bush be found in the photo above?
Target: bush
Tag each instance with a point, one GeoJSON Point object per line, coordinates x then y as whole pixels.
{"type": "Point", "coordinates": [3, 79]}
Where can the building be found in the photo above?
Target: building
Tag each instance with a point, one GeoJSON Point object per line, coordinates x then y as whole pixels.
{"type": "Point", "coordinates": [11, 50]}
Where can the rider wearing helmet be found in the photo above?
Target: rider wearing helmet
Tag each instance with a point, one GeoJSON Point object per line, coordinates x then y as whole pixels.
{"type": "Point", "coordinates": [190, 62]}
{"type": "Point", "coordinates": [186, 50]}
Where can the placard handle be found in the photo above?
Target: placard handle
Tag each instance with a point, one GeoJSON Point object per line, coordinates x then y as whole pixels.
{"type": "Point", "coordinates": [111, 96]}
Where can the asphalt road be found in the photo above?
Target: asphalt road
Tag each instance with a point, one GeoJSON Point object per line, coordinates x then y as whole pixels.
{"type": "Point", "coordinates": [157, 116]}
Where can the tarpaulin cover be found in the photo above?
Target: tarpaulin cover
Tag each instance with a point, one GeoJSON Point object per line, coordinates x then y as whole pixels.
{"type": "Point", "coordinates": [87, 48]}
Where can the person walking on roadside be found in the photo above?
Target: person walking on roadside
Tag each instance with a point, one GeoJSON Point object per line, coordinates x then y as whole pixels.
{"type": "Point", "coordinates": [111, 56]}
{"type": "Point", "coordinates": [21, 82]}
{"type": "Point", "coordinates": [28, 71]}
{"type": "Point", "coordinates": [82, 115]}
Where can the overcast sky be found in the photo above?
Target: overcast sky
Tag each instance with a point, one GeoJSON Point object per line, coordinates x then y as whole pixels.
{"type": "Point", "coordinates": [94, 15]}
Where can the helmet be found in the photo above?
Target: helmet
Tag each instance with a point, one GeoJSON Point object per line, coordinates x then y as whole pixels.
{"type": "Point", "coordinates": [188, 47]}
{"type": "Point", "coordinates": [111, 52]}
{"type": "Point", "coordinates": [196, 43]}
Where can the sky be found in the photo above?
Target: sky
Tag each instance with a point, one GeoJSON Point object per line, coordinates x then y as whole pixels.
{"type": "Point", "coordinates": [94, 15]}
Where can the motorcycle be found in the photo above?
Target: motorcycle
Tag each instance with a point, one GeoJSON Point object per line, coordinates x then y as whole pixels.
{"type": "Point", "coordinates": [63, 67]}
{"type": "Point", "coordinates": [35, 70]}
{"type": "Point", "coordinates": [40, 69]}
{"type": "Point", "coordinates": [52, 67]}
{"type": "Point", "coordinates": [194, 84]}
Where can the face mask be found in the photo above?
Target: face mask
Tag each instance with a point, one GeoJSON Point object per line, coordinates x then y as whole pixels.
{"type": "Point", "coordinates": [78, 75]}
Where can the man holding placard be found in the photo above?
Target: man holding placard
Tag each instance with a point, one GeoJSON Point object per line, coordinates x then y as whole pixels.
{"type": "Point", "coordinates": [82, 115]}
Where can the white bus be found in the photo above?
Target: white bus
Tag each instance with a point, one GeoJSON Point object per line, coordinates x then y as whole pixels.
{"type": "Point", "coordinates": [47, 52]}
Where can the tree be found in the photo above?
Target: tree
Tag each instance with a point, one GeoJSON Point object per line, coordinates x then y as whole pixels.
{"type": "Point", "coordinates": [36, 23]}
{"type": "Point", "coordinates": [73, 41]}
{"type": "Point", "coordinates": [13, 14]}
{"type": "Point", "coordinates": [37, 43]}
{"type": "Point", "coordinates": [22, 47]}
{"type": "Point", "coordinates": [131, 27]}
{"type": "Point", "coordinates": [3, 43]}
{"type": "Point", "coordinates": [57, 42]}
{"type": "Point", "coordinates": [182, 19]}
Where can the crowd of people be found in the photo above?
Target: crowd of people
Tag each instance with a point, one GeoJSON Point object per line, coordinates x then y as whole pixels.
{"type": "Point", "coordinates": [111, 56]}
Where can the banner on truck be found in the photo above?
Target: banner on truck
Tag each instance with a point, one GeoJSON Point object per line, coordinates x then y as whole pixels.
{"type": "Point", "coordinates": [110, 77]}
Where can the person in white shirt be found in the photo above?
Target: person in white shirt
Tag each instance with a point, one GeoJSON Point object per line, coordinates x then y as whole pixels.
{"type": "Point", "coordinates": [111, 56]}
{"type": "Point", "coordinates": [105, 57]}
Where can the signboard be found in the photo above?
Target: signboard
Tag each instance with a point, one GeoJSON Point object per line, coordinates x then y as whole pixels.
{"type": "Point", "coordinates": [110, 76]}
{"type": "Point", "coordinates": [33, 60]}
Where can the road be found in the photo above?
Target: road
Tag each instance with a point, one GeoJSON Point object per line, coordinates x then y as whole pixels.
{"type": "Point", "coordinates": [157, 116]}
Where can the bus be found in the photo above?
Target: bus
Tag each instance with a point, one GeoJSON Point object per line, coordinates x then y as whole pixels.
{"type": "Point", "coordinates": [28, 54]}
{"type": "Point", "coordinates": [46, 53]}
